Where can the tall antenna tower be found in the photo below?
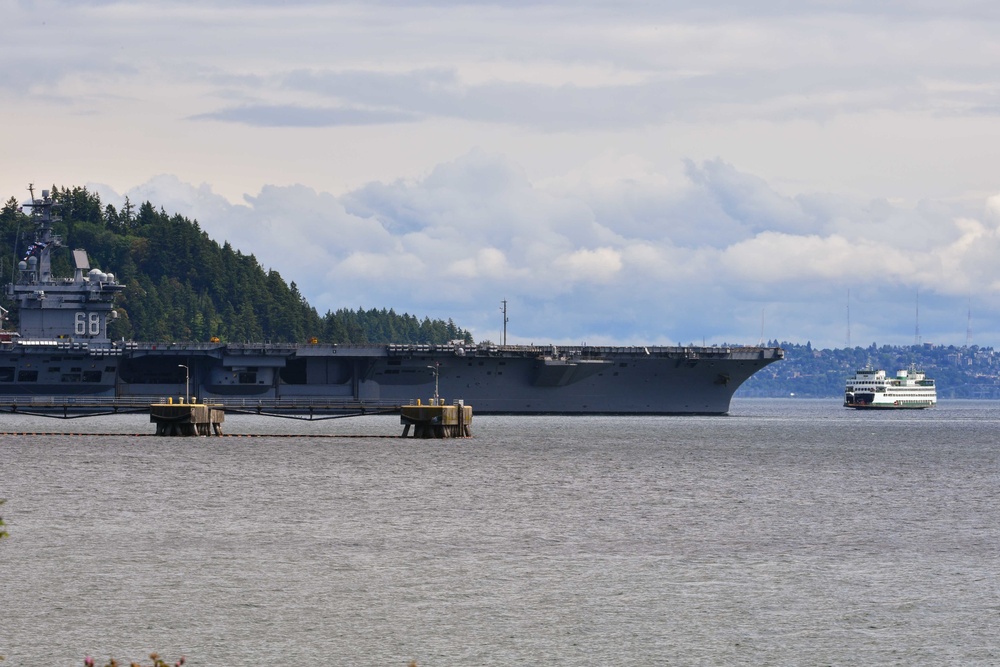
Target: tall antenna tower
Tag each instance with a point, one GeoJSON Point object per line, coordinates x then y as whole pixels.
{"type": "Point", "coordinates": [848, 317]}
{"type": "Point", "coordinates": [968, 327]}
{"type": "Point", "coordinates": [916, 331]}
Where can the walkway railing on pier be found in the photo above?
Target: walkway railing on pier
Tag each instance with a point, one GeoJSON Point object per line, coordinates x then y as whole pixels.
{"type": "Point", "coordinates": [298, 407]}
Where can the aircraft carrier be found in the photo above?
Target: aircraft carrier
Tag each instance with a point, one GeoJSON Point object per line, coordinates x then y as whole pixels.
{"type": "Point", "coordinates": [62, 351]}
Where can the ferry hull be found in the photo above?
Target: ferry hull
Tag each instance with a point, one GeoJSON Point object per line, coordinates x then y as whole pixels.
{"type": "Point", "coordinates": [880, 406]}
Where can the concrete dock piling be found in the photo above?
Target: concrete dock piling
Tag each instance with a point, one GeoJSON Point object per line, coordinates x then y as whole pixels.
{"type": "Point", "coordinates": [437, 420]}
{"type": "Point", "coordinates": [189, 419]}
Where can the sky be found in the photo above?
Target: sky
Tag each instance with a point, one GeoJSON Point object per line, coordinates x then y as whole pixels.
{"type": "Point", "coordinates": [620, 173]}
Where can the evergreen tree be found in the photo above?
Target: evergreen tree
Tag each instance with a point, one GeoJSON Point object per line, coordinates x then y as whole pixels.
{"type": "Point", "coordinates": [182, 285]}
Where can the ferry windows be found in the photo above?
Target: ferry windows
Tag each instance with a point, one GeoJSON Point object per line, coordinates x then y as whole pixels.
{"type": "Point", "coordinates": [248, 377]}
{"type": "Point", "coordinates": [27, 376]}
{"type": "Point", "coordinates": [6, 373]}
{"type": "Point", "coordinates": [92, 376]}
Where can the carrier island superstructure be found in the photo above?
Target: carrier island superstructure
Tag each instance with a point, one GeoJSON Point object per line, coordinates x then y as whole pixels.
{"type": "Point", "coordinates": [62, 349]}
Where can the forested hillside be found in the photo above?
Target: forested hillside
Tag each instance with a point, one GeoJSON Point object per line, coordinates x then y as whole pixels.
{"type": "Point", "coordinates": [959, 372]}
{"type": "Point", "coordinates": [182, 285]}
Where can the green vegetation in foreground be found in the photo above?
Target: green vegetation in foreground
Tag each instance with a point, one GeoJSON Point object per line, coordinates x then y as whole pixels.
{"type": "Point", "coordinates": [959, 372]}
{"type": "Point", "coordinates": [183, 286]}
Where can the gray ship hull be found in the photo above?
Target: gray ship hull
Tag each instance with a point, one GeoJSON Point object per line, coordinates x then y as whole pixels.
{"type": "Point", "coordinates": [508, 379]}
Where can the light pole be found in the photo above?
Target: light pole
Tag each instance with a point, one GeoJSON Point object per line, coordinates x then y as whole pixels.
{"type": "Point", "coordinates": [437, 369]}
{"type": "Point", "coordinates": [187, 383]}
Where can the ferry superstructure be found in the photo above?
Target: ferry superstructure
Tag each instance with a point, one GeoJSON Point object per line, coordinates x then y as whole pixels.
{"type": "Point", "coordinates": [62, 348]}
{"type": "Point", "coordinates": [870, 388]}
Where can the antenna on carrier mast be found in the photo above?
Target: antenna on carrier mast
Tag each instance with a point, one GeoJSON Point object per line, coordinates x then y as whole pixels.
{"type": "Point", "coordinates": [505, 320]}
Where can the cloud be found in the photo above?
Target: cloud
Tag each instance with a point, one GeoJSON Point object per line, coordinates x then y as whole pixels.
{"type": "Point", "coordinates": [607, 70]}
{"type": "Point", "coordinates": [552, 67]}
{"type": "Point", "coordinates": [309, 64]}
{"type": "Point", "coordinates": [801, 262]}
{"type": "Point", "coordinates": [617, 171]}
{"type": "Point", "coordinates": [486, 263]}
{"type": "Point", "coordinates": [476, 230]}
{"type": "Point", "coordinates": [746, 198]}
{"type": "Point", "coordinates": [296, 116]}
{"type": "Point", "coordinates": [599, 265]}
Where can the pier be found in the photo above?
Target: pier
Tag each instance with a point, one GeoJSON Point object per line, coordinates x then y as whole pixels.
{"type": "Point", "coordinates": [186, 419]}
{"type": "Point", "coordinates": [180, 417]}
{"type": "Point", "coordinates": [305, 408]}
{"type": "Point", "coordinates": [437, 420]}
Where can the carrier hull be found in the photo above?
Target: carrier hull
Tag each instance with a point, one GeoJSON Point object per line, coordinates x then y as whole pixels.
{"type": "Point", "coordinates": [508, 379]}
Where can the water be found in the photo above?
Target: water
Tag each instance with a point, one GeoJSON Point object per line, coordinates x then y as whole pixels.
{"type": "Point", "coordinates": [790, 532]}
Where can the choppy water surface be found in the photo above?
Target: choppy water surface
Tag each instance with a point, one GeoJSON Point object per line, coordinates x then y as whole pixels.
{"type": "Point", "coordinates": [790, 532]}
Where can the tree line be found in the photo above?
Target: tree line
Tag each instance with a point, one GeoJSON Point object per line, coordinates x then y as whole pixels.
{"type": "Point", "coordinates": [181, 285]}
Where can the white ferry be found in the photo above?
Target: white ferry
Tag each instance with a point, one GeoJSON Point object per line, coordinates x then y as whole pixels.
{"type": "Point", "coordinates": [871, 388]}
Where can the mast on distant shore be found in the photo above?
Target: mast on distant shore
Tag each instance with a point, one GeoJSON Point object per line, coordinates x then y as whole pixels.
{"type": "Point", "coordinates": [968, 326]}
{"type": "Point", "coordinates": [848, 318]}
